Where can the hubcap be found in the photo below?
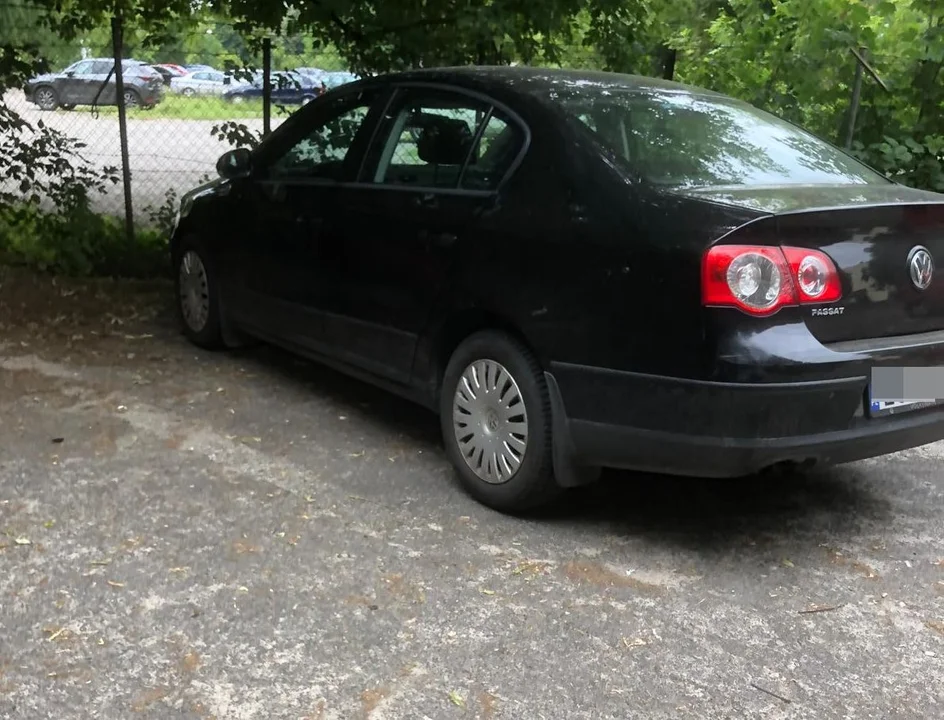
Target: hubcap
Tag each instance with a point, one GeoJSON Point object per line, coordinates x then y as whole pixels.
{"type": "Point", "coordinates": [45, 98]}
{"type": "Point", "coordinates": [131, 99]}
{"type": "Point", "coordinates": [194, 291]}
{"type": "Point", "coordinates": [490, 421]}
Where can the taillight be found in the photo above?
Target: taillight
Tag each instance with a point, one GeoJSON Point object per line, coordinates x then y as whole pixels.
{"type": "Point", "coordinates": [762, 279]}
{"type": "Point", "coordinates": [817, 280]}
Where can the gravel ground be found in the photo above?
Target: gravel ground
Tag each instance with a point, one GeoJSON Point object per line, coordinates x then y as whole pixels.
{"type": "Point", "coordinates": [235, 536]}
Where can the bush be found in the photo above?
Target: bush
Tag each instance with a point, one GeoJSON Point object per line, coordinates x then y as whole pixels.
{"type": "Point", "coordinates": [79, 243]}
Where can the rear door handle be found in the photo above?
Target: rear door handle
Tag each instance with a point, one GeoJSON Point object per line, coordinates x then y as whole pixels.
{"type": "Point", "coordinates": [426, 200]}
{"type": "Point", "coordinates": [437, 239]}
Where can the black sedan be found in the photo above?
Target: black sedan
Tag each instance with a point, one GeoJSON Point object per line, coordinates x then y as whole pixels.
{"type": "Point", "coordinates": [577, 270]}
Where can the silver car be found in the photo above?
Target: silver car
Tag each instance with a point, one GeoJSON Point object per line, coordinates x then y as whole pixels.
{"type": "Point", "coordinates": [201, 82]}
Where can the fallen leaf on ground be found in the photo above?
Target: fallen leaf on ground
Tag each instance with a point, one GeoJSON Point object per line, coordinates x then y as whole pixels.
{"type": "Point", "coordinates": [487, 592]}
{"type": "Point", "coordinates": [936, 625]}
{"type": "Point", "coordinates": [635, 642]}
{"type": "Point", "coordinates": [456, 699]}
{"type": "Point", "coordinates": [22, 541]}
{"type": "Point", "coordinates": [788, 563]}
{"type": "Point", "coordinates": [115, 583]}
{"type": "Point", "coordinates": [100, 562]}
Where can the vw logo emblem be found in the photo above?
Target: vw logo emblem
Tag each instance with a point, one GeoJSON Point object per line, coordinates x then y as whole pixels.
{"type": "Point", "coordinates": [920, 267]}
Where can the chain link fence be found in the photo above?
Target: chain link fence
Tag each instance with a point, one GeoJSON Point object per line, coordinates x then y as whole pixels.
{"type": "Point", "coordinates": [185, 102]}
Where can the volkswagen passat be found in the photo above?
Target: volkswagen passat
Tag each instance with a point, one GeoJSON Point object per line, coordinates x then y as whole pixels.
{"type": "Point", "coordinates": [577, 270]}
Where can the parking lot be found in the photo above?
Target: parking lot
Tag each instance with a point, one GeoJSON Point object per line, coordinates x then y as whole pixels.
{"type": "Point", "coordinates": [246, 535]}
{"type": "Point", "coordinates": [164, 153]}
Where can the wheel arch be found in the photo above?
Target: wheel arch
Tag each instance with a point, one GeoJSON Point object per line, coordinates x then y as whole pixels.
{"type": "Point", "coordinates": [455, 327]}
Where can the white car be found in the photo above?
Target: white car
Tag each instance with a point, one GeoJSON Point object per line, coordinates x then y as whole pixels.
{"type": "Point", "coordinates": [202, 82]}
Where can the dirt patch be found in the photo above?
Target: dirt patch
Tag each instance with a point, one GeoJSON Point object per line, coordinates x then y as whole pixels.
{"type": "Point", "coordinates": [190, 663]}
{"type": "Point", "coordinates": [401, 588]}
{"type": "Point", "coordinates": [591, 573]}
{"type": "Point", "coordinates": [371, 698]}
{"type": "Point", "coordinates": [839, 559]}
{"type": "Point", "coordinates": [936, 625]}
{"type": "Point", "coordinates": [147, 698]}
{"type": "Point", "coordinates": [488, 703]}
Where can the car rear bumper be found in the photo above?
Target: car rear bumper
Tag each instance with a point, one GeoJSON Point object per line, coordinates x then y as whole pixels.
{"type": "Point", "coordinates": [718, 429]}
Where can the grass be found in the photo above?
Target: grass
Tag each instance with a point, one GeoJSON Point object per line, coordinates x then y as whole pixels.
{"type": "Point", "coordinates": [201, 107]}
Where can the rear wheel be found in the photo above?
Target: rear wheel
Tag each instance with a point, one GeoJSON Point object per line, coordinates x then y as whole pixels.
{"type": "Point", "coordinates": [198, 302]}
{"type": "Point", "coordinates": [188, 92]}
{"type": "Point", "coordinates": [495, 414]}
{"type": "Point", "coordinates": [46, 98]}
{"type": "Point", "coordinates": [132, 99]}
{"type": "Point", "coordinates": [67, 106]}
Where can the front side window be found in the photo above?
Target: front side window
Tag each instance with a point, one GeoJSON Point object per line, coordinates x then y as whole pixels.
{"type": "Point", "coordinates": [322, 151]}
{"type": "Point", "coordinates": [447, 141]}
{"type": "Point", "coordinates": [691, 141]}
{"type": "Point", "coordinates": [82, 68]}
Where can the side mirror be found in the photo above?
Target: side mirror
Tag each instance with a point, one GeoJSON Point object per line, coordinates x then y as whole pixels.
{"type": "Point", "coordinates": [70, 73]}
{"type": "Point", "coordinates": [234, 164]}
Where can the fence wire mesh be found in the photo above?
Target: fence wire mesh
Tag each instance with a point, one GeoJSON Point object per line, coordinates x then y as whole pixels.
{"type": "Point", "coordinates": [188, 100]}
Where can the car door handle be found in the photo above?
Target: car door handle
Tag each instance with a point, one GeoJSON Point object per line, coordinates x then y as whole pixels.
{"type": "Point", "coordinates": [307, 222]}
{"type": "Point", "coordinates": [437, 239]}
{"type": "Point", "coordinates": [426, 200]}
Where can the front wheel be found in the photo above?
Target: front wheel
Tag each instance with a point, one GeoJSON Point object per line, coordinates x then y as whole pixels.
{"type": "Point", "coordinates": [188, 92]}
{"type": "Point", "coordinates": [198, 302]}
{"type": "Point", "coordinates": [46, 98]}
{"type": "Point", "coordinates": [495, 414]}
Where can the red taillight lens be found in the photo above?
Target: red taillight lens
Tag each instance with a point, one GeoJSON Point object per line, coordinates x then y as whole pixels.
{"type": "Point", "coordinates": [762, 279]}
{"type": "Point", "coordinates": [814, 274]}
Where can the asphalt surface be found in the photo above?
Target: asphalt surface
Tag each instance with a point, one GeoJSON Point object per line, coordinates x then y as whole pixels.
{"type": "Point", "coordinates": [164, 154]}
{"type": "Point", "coordinates": [244, 535]}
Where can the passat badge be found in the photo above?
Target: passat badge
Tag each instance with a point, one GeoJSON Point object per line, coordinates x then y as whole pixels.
{"type": "Point", "coordinates": [920, 267]}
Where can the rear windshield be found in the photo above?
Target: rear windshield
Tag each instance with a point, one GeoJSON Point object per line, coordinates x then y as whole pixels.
{"type": "Point", "coordinates": [688, 141]}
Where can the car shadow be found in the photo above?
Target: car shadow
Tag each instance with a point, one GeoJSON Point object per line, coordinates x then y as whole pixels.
{"type": "Point", "coordinates": [684, 511]}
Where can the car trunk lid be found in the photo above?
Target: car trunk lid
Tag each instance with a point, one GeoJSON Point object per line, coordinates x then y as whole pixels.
{"type": "Point", "coordinates": [875, 235]}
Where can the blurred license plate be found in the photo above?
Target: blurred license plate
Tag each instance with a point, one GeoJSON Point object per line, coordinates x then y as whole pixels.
{"type": "Point", "coordinates": [878, 408]}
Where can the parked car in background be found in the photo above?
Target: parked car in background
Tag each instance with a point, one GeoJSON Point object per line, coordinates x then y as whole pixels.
{"type": "Point", "coordinates": [202, 82]}
{"type": "Point", "coordinates": [316, 75]}
{"type": "Point", "coordinates": [288, 88]}
{"type": "Point", "coordinates": [169, 72]}
{"type": "Point", "coordinates": [576, 270]}
{"type": "Point", "coordinates": [92, 81]}
{"type": "Point", "coordinates": [336, 79]}
{"type": "Point", "coordinates": [196, 67]}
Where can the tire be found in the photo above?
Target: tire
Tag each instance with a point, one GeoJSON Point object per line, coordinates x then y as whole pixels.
{"type": "Point", "coordinates": [132, 99]}
{"type": "Point", "coordinates": [485, 426]}
{"type": "Point", "coordinates": [204, 327]}
{"type": "Point", "coordinates": [188, 92]}
{"type": "Point", "coordinates": [68, 106]}
{"type": "Point", "coordinates": [46, 98]}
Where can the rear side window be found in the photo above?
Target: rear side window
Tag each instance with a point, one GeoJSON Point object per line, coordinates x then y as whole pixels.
{"type": "Point", "coordinates": [684, 140]}
{"type": "Point", "coordinates": [444, 140]}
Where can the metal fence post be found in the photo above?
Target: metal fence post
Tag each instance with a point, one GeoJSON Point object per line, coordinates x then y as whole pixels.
{"type": "Point", "coordinates": [266, 86]}
{"type": "Point", "coordinates": [117, 40]}
{"type": "Point", "coordinates": [854, 102]}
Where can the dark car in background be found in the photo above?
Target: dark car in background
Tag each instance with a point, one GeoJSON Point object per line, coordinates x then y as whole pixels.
{"type": "Point", "coordinates": [578, 270]}
{"type": "Point", "coordinates": [92, 81]}
{"type": "Point", "coordinates": [288, 88]}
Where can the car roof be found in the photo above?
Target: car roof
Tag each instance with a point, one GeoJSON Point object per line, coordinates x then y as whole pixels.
{"type": "Point", "coordinates": [528, 79]}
